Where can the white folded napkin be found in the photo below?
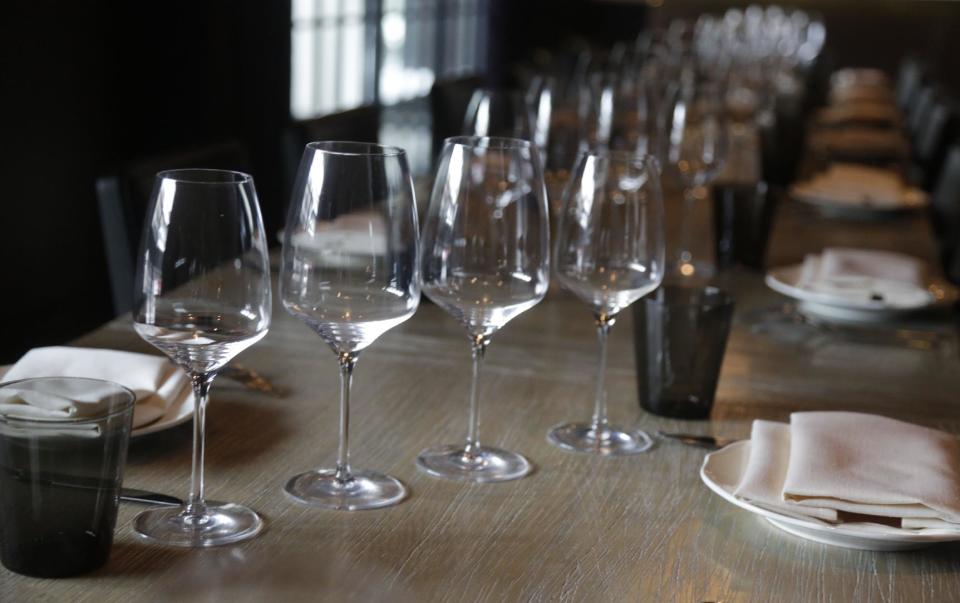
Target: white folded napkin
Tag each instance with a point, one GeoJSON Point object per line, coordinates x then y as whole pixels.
{"type": "Point", "coordinates": [762, 482]}
{"type": "Point", "coordinates": [845, 466]}
{"type": "Point", "coordinates": [157, 383]}
{"type": "Point", "coordinates": [866, 275]}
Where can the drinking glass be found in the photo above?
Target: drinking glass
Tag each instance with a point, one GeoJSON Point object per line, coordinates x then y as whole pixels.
{"type": "Point", "coordinates": [498, 112]}
{"type": "Point", "coordinates": [485, 259]}
{"type": "Point", "coordinates": [202, 296]}
{"type": "Point", "coordinates": [609, 253]}
{"type": "Point", "coordinates": [350, 273]}
{"type": "Point", "coordinates": [696, 149]}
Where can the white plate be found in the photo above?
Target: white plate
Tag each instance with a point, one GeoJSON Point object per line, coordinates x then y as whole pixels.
{"type": "Point", "coordinates": [177, 414]}
{"type": "Point", "coordinates": [722, 470]}
{"type": "Point", "coordinates": [914, 199]}
{"type": "Point", "coordinates": [785, 280]}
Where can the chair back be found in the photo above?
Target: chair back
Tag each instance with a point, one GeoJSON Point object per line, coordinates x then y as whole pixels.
{"type": "Point", "coordinates": [945, 206]}
{"type": "Point", "coordinates": [934, 139]}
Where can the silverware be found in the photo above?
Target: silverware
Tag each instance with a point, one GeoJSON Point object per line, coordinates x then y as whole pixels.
{"type": "Point", "coordinates": [700, 441]}
{"type": "Point", "coordinates": [251, 379]}
{"type": "Point", "coordinates": [132, 495]}
{"type": "Point", "coordinates": [143, 497]}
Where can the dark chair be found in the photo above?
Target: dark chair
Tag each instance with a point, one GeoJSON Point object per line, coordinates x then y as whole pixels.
{"type": "Point", "coordinates": [919, 111]}
{"type": "Point", "coordinates": [122, 199]}
{"type": "Point", "coordinates": [909, 80]}
{"type": "Point", "coordinates": [945, 207]}
{"type": "Point", "coordinates": [932, 142]}
{"type": "Point", "coordinates": [448, 105]}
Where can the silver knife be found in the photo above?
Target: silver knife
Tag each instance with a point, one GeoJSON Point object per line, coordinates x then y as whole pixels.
{"type": "Point", "coordinates": [700, 441]}
{"type": "Point", "coordinates": [143, 497]}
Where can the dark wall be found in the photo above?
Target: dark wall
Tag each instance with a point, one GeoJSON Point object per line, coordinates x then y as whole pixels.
{"type": "Point", "coordinates": [88, 86]}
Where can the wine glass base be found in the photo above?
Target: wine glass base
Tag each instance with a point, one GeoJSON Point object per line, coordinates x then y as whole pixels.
{"type": "Point", "coordinates": [485, 465]}
{"type": "Point", "coordinates": [581, 437]}
{"type": "Point", "coordinates": [365, 490]}
{"type": "Point", "coordinates": [217, 524]}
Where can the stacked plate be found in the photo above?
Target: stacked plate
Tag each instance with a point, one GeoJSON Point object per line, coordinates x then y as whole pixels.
{"type": "Point", "coordinates": [860, 285]}
{"type": "Point", "coordinates": [858, 191]}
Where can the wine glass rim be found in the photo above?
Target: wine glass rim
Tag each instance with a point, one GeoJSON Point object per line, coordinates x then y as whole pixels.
{"type": "Point", "coordinates": [484, 142]}
{"type": "Point", "coordinates": [205, 176]}
{"type": "Point", "coordinates": [352, 148]}
{"type": "Point", "coordinates": [619, 155]}
{"type": "Point", "coordinates": [126, 406]}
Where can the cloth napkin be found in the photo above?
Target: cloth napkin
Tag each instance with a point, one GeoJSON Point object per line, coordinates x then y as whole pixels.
{"type": "Point", "coordinates": [866, 275]}
{"type": "Point", "coordinates": [829, 465]}
{"type": "Point", "coordinates": [157, 383]}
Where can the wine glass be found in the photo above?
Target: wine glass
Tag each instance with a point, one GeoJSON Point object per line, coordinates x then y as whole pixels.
{"type": "Point", "coordinates": [202, 296]}
{"type": "Point", "coordinates": [350, 272]}
{"type": "Point", "coordinates": [609, 253]}
{"type": "Point", "coordinates": [485, 259]}
{"type": "Point", "coordinates": [697, 149]}
{"type": "Point", "coordinates": [498, 112]}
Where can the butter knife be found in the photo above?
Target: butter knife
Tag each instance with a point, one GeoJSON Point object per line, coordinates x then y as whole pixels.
{"type": "Point", "coordinates": [700, 441]}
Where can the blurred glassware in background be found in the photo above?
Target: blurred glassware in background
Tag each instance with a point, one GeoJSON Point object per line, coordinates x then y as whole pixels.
{"type": "Point", "coordinates": [697, 149]}
{"type": "Point", "coordinates": [498, 112]}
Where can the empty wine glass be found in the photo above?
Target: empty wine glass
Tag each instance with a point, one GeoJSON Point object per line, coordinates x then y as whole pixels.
{"type": "Point", "coordinates": [485, 259]}
{"type": "Point", "coordinates": [202, 296]}
{"type": "Point", "coordinates": [498, 112]}
{"type": "Point", "coordinates": [697, 149]}
{"type": "Point", "coordinates": [609, 253]}
{"type": "Point", "coordinates": [350, 272]}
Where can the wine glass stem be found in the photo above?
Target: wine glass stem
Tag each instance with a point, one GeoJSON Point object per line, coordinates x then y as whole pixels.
{"type": "Point", "coordinates": [686, 223]}
{"type": "Point", "coordinates": [347, 361]}
{"type": "Point", "coordinates": [478, 346]}
{"type": "Point", "coordinates": [201, 390]}
{"type": "Point", "coordinates": [599, 423]}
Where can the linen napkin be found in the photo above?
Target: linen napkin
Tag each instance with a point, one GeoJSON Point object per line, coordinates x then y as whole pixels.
{"type": "Point", "coordinates": [866, 275]}
{"type": "Point", "coordinates": [829, 465]}
{"type": "Point", "coordinates": [873, 465]}
{"type": "Point", "coordinates": [762, 482]}
{"type": "Point", "coordinates": [157, 383]}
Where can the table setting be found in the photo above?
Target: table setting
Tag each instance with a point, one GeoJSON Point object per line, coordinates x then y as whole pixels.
{"type": "Point", "coordinates": [672, 457]}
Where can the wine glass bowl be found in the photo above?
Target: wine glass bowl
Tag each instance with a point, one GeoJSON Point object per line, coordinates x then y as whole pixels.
{"type": "Point", "coordinates": [696, 149]}
{"type": "Point", "coordinates": [485, 260]}
{"type": "Point", "coordinates": [350, 272]}
{"type": "Point", "coordinates": [609, 253]}
{"type": "Point", "coordinates": [202, 295]}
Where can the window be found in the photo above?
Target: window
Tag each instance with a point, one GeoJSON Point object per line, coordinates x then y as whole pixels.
{"type": "Point", "coordinates": [347, 53]}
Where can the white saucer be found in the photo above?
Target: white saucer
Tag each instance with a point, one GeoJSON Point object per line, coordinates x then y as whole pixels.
{"type": "Point", "coordinates": [178, 414]}
{"type": "Point", "coordinates": [785, 280]}
{"type": "Point", "coordinates": [912, 200]}
{"type": "Point", "coordinates": [722, 470]}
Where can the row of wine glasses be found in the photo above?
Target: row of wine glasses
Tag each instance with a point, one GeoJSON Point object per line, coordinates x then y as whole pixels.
{"type": "Point", "coordinates": [353, 265]}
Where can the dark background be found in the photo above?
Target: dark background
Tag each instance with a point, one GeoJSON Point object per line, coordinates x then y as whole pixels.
{"type": "Point", "coordinates": [87, 86]}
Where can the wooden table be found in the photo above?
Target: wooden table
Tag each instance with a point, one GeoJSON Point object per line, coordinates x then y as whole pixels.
{"type": "Point", "coordinates": [580, 528]}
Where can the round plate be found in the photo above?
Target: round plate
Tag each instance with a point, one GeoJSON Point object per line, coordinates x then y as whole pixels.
{"type": "Point", "coordinates": [912, 200]}
{"type": "Point", "coordinates": [785, 280]}
{"type": "Point", "coordinates": [721, 472]}
{"type": "Point", "coordinates": [178, 414]}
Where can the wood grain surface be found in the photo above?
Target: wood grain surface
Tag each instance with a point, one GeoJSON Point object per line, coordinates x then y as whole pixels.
{"type": "Point", "coordinates": [579, 528]}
